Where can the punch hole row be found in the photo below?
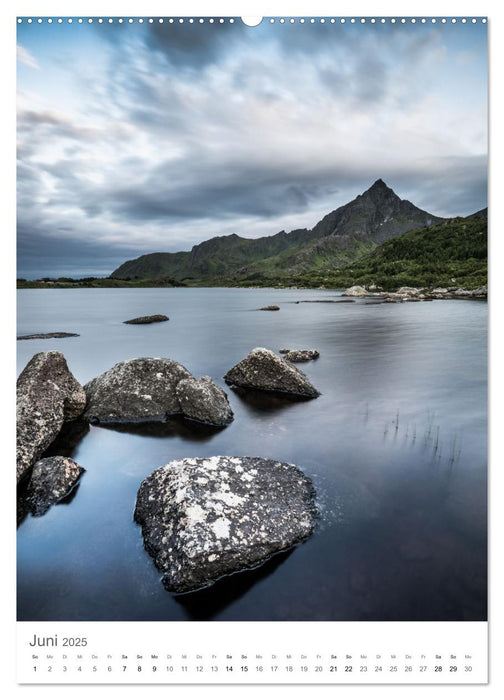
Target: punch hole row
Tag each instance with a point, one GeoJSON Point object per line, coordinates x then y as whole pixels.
{"type": "Point", "coordinates": [232, 20]}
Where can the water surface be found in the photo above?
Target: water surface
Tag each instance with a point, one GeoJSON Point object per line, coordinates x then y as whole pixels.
{"type": "Point", "coordinates": [395, 445]}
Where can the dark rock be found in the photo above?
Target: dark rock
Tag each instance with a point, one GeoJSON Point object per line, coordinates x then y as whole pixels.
{"type": "Point", "coordinates": [51, 480]}
{"type": "Point", "coordinates": [284, 351]}
{"type": "Point", "coordinates": [47, 395]}
{"type": "Point", "coordinates": [202, 400]}
{"type": "Point", "coordinates": [301, 355]}
{"type": "Point", "coordinates": [42, 336]}
{"type": "Point", "coordinates": [325, 301]}
{"type": "Point", "coordinates": [270, 308]}
{"type": "Point", "coordinates": [156, 318]}
{"type": "Point", "coordinates": [264, 370]}
{"type": "Point", "coordinates": [150, 388]}
{"type": "Point", "coordinates": [136, 389]}
{"type": "Point", "coordinates": [204, 518]}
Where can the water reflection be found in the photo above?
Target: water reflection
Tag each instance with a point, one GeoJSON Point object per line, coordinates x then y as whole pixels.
{"type": "Point", "coordinates": [207, 603]}
{"type": "Point", "coordinates": [169, 428]}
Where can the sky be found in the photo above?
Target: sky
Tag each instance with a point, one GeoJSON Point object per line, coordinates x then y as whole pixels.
{"type": "Point", "coordinates": [138, 138]}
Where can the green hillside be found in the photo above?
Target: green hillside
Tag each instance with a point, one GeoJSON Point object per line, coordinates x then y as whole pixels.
{"type": "Point", "coordinates": [453, 253]}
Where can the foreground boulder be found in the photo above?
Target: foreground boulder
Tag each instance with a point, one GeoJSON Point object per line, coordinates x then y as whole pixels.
{"type": "Point", "coordinates": [47, 395]}
{"type": "Point", "coordinates": [156, 318]}
{"type": "Point", "coordinates": [264, 370]}
{"type": "Point", "coordinates": [204, 518]}
{"type": "Point", "coordinates": [301, 355]}
{"type": "Point", "coordinates": [202, 400]}
{"type": "Point", "coordinates": [147, 388]}
{"type": "Point", "coordinates": [51, 480]}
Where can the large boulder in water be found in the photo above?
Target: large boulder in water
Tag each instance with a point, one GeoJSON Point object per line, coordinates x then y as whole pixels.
{"type": "Point", "coordinates": [47, 395]}
{"type": "Point", "coordinates": [264, 370]}
{"type": "Point", "coordinates": [51, 480]}
{"type": "Point", "coordinates": [150, 388]}
{"type": "Point", "coordinates": [138, 389]}
{"type": "Point", "coordinates": [204, 518]}
{"type": "Point", "coordinates": [202, 400]}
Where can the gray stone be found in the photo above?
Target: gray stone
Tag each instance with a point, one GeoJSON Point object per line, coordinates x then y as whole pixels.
{"type": "Point", "coordinates": [139, 389]}
{"type": "Point", "coordinates": [156, 318]}
{"type": "Point", "coordinates": [203, 518]}
{"type": "Point", "coordinates": [301, 355]}
{"type": "Point", "coordinates": [409, 291]}
{"type": "Point", "coordinates": [51, 480]}
{"type": "Point", "coordinates": [150, 388]}
{"type": "Point", "coordinates": [47, 395]}
{"type": "Point", "coordinates": [355, 291]}
{"type": "Point", "coordinates": [265, 371]}
{"type": "Point", "coordinates": [202, 400]}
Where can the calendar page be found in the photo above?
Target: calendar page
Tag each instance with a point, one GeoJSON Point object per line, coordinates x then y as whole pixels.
{"type": "Point", "coordinates": [251, 349]}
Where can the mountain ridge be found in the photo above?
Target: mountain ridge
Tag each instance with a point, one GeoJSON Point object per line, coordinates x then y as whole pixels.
{"type": "Point", "coordinates": [339, 237]}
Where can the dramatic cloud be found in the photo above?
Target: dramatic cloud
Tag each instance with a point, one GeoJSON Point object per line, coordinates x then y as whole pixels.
{"type": "Point", "coordinates": [152, 137]}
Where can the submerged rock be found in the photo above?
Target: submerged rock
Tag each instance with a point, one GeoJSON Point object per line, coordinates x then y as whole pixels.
{"type": "Point", "coordinates": [51, 480]}
{"type": "Point", "coordinates": [149, 388]}
{"type": "Point", "coordinates": [43, 336]}
{"type": "Point", "coordinates": [204, 401]}
{"type": "Point", "coordinates": [204, 518]}
{"type": "Point", "coordinates": [264, 370]}
{"type": "Point", "coordinates": [301, 355]}
{"type": "Point", "coordinates": [156, 318]}
{"type": "Point", "coordinates": [47, 395]}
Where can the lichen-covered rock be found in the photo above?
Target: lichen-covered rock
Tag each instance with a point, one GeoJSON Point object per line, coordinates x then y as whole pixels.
{"type": "Point", "coordinates": [51, 480]}
{"type": "Point", "coordinates": [355, 291]}
{"type": "Point", "coordinates": [138, 389]}
{"type": "Point", "coordinates": [47, 395]}
{"type": "Point", "coordinates": [301, 355]}
{"type": "Point", "coordinates": [264, 370]}
{"type": "Point", "coordinates": [150, 388]}
{"type": "Point", "coordinates": [204, 401]}
{"type": "Point", "coordinates": [156, 318]}
{"type": "Point", "coordinates": [204, 518]}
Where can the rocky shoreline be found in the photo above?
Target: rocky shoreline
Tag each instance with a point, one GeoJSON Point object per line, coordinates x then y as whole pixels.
{"type": "Point", "coordinates": [415, 294]}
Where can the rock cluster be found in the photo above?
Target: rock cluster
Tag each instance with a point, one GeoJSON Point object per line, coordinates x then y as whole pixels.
{"type": "Point", "coordinates": [204, 518]}
{"type": "Point", "coordinates": [47, 395]}
{"type": "Point", "coordinates": [414, 294]}
{"type": "Point", "coordinates": [51, 480]}
{"type": "Point", "coordinates": [156, 318]}
{"type": "Point", "coordinates": [149, 388]}
{"type": "Point", "coordinates": [265, 371]}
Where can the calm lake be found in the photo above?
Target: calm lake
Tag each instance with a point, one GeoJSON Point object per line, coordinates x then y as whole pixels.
{"type": "Point", "coordinates": [395, 445]}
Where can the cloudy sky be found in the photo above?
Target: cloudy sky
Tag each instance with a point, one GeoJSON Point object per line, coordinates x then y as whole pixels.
{"type": "Point", "coordinates": [138, 138]}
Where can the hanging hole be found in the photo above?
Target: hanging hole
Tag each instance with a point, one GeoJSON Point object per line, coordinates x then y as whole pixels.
{"type": "Point", "coordinates": [251, 21]}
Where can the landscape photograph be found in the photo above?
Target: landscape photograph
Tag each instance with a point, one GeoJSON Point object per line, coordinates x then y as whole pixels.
{"type": "Point", "coordinates": [251, 319]}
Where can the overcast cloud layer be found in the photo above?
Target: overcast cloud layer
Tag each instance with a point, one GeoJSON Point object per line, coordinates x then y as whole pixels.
{"type": "Point", "coordinates": [145, 138]}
